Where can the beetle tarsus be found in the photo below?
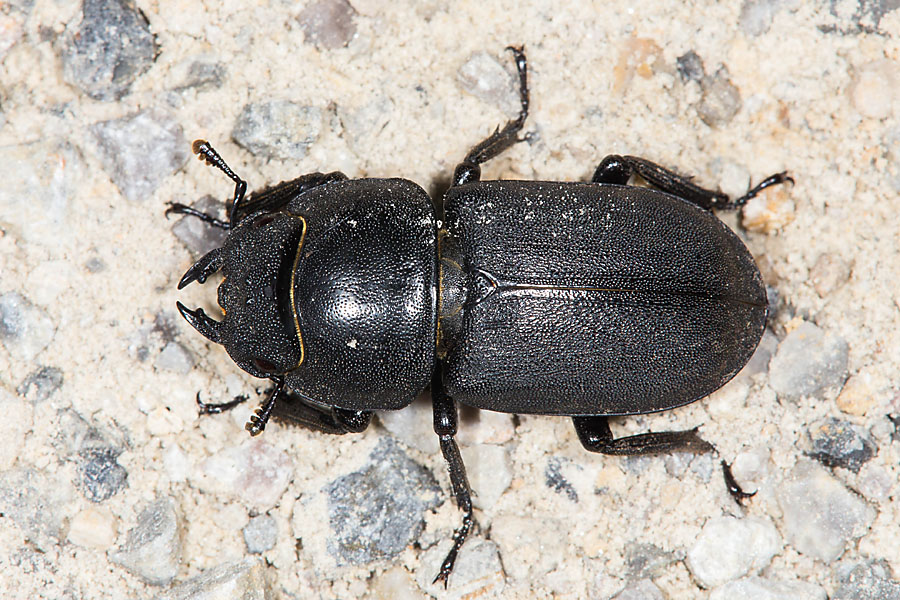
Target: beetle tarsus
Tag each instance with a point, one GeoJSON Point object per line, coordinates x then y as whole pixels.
{"type": "Point", "coordinates": [771, 180]}
{"type": "Point", "coordinates": [176, 208]}
{"type": "Point", "coordinates": [734, 488]}
{"type": "Point", "coordinates": [216, 408]}
{"type": "Point", "coordinates": [257, 423]}
{"type": "Point", "coordinates": [205, 151]}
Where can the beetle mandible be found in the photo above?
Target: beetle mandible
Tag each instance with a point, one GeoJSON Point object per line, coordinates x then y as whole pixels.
{"type": "Point", "coordinates": [583, 300]}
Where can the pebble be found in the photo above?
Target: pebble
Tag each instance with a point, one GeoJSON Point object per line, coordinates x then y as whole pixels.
{"type": "Point", "coordinates": [394, 584]}
{"type": "Point", "coordinates": [485, 77]}
{"type": "Point", "coordinates": [875, 89]}
{"type": "Point", "coordinates": [759, 588]}
{"type": "Point", "coordinates": [140, 151]}
{"type": "Point", "coordinates": [243, 580]}
{"type": "Point", "coordinates": [643, 589]}
{"type": "Point", "coordinates": [828, 273]}
{"type": "Point", "coordinates": [530, 547]}
{"type": "Point", "coordinates": [759, 362]}
{"type": "Point", "coordinates": [869, 580]}
{"type": "Point", "coordinates": [152, 550]}
{"type": "Point", "coordinates": [101, 476]}
{"type": "Point", "coordinates": [197, 236]}
{"type": "Point", "coordinates": [757, 15]}
{"type": "Point", "coordinates": [36, 503]}
{"type": "Point", "coordinates": [489, 473]}
{"type": "Point", "coordinates": [260, 534]}
{"type": "Point", "coordinates": [376, 512]}
{"type": "Point", "coordinates": [255, 472]}
{"type": "Point", "coordinates": [858, 396]}
{"type": "Point", "coordinates": [93, 528]}
{"type": "Point", "coordinates": [278, 129]}
{"type": "Point", "coordinates": [821, 516]}
{"type": "Point", "coordinates": [201, 75]}
{"type": "Point", "coordinates": [644, 561]}
{"type": "Point", "coordinates": [478, 572]}
{"type": "Point", "coordinates": [40, 384]}
{"type": "Point", "coordinates": [25, 329]}
{"type": "Point", "coordinates": [108, 50]}
{"type": "Point", "coordinates": [328, 24]}
{"type": "Point", "coordinates": [720, 99]}
{"type": "Point", "coordinates": [175, 358]}
{"type": "Point", "coordinates": [875, 483]}
{"type": "Point", "coordinates": [728, 548]}
{"type": "Point", "coordinates": [837, 443]}
{"type": "Point", "coordinates": [807, 362]}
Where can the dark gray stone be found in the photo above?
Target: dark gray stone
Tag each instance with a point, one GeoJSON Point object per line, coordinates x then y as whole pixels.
{"type": "Point", "coordinates": [278, 129]}
{"type": "Point", "coordinates": [837, 443]}
{"type": "Point", "coordinates": [197, 236]}
{"type": "Point", "coordinates": [690, 66]}
{"type": "Point", "coordinates": [865, 19]}
{"type": "Point", "coordinates": [203, 76]}
{"type": "Point", "coordinates": [25, 329]}
{"type": "Point", "coordinates": [108, 50]}
{"type": "Point", "coordinates": [95, 454]}
{"type": "Point", "coordinates": [808, 361]}
{"type": "Point", "coordinates": [554, 479]}
{"type": "Point", "coordinates": [260, 534]}
{"type": "Point", "coordinates": [152, 549]}
{"type": "Point", "coordinates": [139, 151]}
{"type": "Point", "coordinates": [40, 384]}
{"type": "Point", "coordinates": [328, 24]}
{"type": "Point", "coordinates": [378, 511]}
{"type": "Point", "coordinates": [870, 580]}
{"type": "Point", "coordinates": [645, 561]}
{"type": "Point", "coordinates": [101, 476]}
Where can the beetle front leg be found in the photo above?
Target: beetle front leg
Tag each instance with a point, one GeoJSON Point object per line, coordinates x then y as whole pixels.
{"type": "Point", "coordinates": [468, 170]}
{"type": "Point", "coordinates": [618, 169]}
{"type": "Point", "coordinates": [595, 436]}
{"type": "Point", "coordinates": [445, 425]}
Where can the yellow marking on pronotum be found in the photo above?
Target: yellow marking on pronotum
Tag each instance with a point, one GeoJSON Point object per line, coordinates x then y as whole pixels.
{"type": "Point", "coordinates": [293, 276]}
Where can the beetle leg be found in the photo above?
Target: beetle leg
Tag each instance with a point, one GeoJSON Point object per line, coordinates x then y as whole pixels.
{"type": "Point", "coordinates": [468, 170]}
{"type": "Point", "coordinates": [176, 208]}
{"type": "Point", "coordinates": [445, 425]}
{"type": "Point", "coordinates": [595, 436]}
{"type": "Point", "coordinates": [617, 169]}
{"type": "Point", "coordinates": [333, 420]}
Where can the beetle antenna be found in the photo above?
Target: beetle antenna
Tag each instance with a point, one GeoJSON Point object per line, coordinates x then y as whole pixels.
{"type": "Point", "coordinates": [257, 422]}
{"type": "Point", "coordinates": [205, 151]}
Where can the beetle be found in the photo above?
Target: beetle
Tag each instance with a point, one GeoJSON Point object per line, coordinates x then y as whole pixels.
{"type": "Point", "coordinates": [583, 300]}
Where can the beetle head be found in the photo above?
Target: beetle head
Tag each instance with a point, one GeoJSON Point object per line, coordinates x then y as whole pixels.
{"type": "Point", "coordinates": [259, 328]}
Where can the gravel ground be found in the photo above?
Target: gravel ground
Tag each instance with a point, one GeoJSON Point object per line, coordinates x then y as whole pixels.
{"type": "Point", "coordinates": [112, 486]}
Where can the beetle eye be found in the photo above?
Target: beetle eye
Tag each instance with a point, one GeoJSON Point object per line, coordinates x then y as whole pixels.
{"type": "Point", "coordinates": [263, 220]}
{"type": "Point", "coordinates": [263, 365]}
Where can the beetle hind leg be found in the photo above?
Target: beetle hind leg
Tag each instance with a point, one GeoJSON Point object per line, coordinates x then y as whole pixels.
{"type": "Point", "coordinates": [468, 170]}
{"type": "Point", "coordinates": [618, 169]}
{"type": "Point", "coordinates": [595, 436]}
{"type": "Point", "coordinates": [445, 425]}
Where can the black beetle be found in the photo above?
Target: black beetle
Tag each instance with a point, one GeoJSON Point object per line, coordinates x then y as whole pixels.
{"type": "Point", "coordinates": [585, 300]}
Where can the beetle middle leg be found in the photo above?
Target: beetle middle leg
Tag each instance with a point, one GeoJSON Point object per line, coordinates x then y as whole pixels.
{"type": "Point", "coordinates": [445, 425]}
{"type": "Point", "coordinates": [468, 170]}
{"type": "Point", "coordinates": [595, 436]}
{"type": "Point", "coordinates": [618, 169]}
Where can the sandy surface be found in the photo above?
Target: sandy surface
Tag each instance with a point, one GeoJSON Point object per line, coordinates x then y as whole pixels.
{"type": "Point", "coordinates": [819, 91]}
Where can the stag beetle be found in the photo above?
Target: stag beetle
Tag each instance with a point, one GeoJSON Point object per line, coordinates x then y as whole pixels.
{"type": "Point", "coordinates": [583, 300]}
